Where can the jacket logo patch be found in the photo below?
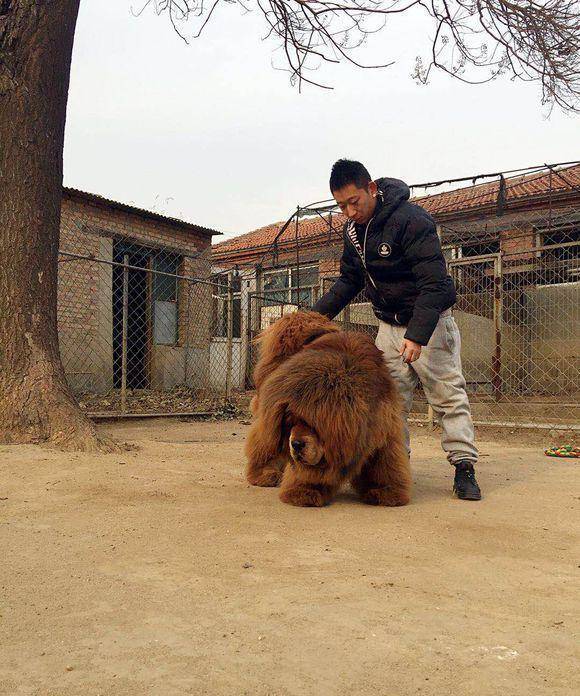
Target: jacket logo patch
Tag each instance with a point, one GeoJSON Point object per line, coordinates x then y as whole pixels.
{"type": "Point", "coordinates": [384, 249]}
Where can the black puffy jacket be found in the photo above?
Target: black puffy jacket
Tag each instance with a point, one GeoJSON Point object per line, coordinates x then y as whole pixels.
{"type": "Point", "coordinates": [398, 257]}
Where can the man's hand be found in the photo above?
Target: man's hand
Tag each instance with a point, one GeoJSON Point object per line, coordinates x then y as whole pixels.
{"type": "Point", "coordinates": [409, 351]}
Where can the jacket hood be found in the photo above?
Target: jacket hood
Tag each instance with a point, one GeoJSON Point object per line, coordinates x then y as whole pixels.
{"type": "Point", "coordinates": [392, 192]}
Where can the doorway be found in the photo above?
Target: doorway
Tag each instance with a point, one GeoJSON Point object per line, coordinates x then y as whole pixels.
{"type": "Point", "coordinates": [138, 316]}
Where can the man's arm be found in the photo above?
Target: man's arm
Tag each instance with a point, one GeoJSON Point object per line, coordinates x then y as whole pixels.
{"type": "Point", "coordinates": [348, 285]}
{"type": "Point", "coordinates": [422, 248]}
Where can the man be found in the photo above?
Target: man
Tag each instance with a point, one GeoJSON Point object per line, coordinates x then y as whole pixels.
{"type": "Point", "coordinates": [392, 249]}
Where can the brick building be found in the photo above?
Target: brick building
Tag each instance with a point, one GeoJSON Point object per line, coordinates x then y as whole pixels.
{"type": "Point", "coordinates": [513, 248]}
{"type": "Point", "coordinates": [147, 323]}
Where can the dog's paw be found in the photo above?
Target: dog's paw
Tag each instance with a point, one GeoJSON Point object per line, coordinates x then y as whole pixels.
{"type": "Point", "coordinates": [268, 478]}
{"type": "Point", "coordinates": [303, 496]}
{"type": "Point", "coordinates": [385, 496]}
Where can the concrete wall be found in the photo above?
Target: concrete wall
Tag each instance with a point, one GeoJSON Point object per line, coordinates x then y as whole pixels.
{"type": "Point", "coordinates": [540, 342]}
{"type": "Point", "coordinates": [555, 338]}
{"type": "Point", "coordinates": [180, 366]}
{"type": "Point", "coordinates": [218, 364]}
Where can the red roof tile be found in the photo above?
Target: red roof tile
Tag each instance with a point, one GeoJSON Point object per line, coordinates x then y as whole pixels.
{"type": "Point", "coordinates": [517, 188]}
{"type": "Point", "coordinates": [308, 229]}
{"type": "Point", "coordinates": [467, 199]}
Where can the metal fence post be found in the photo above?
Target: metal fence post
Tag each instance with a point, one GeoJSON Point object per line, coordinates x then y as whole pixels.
{"type": "Point", "coordinates": [249, 353]}
{"type": "Point", "coordinates": [187, 327]}
{"type": "Point", "coordinates": [498, 326]}
{"type": "Point", "coordinates": [124, 334]}
{"type": "Point", "coordinates": [346, 315]}
{"type": "Point", "coordinates": [230, 336]}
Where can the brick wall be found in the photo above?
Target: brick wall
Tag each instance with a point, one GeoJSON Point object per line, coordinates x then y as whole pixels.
{"type": "Point", "coordinates": [520, 238]}
{"type": "Point", "coordinates": [85, 294]}
{"type": "Point", "coordinates": [329, 268]}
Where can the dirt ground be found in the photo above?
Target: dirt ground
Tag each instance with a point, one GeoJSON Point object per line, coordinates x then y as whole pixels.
{"type": "Point", "coordinates": [159, 572]}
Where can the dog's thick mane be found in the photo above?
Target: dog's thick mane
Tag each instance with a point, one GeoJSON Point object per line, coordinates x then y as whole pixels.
{"type": "Point", "coordinates": [286, 337]}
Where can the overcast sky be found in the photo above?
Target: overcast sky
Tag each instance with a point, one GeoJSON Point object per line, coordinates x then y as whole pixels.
{"type": "Point", "coordinates": [210, 132]}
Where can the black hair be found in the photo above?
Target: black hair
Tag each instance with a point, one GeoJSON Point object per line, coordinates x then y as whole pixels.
{"type": "Point", "coordinates": [345, 172]}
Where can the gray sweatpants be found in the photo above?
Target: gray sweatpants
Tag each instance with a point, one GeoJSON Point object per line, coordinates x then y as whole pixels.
{"type": "Point", "coordinates": [439, 369]}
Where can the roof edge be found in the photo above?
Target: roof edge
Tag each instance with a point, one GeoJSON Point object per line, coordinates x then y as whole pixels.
{"type": "Point", "coordinates": [141, 212]}
{"type": "Point", "coordinates": [558, 198]}
{"type": "Point", "coordinates": [532, 201]}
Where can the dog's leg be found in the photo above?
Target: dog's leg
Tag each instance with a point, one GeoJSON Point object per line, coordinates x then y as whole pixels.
{"type": "Point", "coordinates": [385, 479]}
{"type": "Point", "coordinates": [265, 461]}
{"type": "Point", "coordinates": [302, 493]}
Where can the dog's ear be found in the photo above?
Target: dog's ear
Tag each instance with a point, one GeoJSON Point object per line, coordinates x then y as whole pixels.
{"type": "Point", "coordinates": [271, 415]}
{"type": "Point", "coordinates": [287, 423]}
{"type": "Point", "coordinates": [289, 419]}
{"type": "Point", "coordinates": [281, 420]}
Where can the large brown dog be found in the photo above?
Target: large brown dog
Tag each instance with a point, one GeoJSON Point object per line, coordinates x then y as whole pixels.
{"type": "Point", "coordinates": [326, 412]}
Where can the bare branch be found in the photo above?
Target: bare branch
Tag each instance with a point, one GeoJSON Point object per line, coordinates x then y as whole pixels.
{"type": "Point", "coordinates": [474, 41]}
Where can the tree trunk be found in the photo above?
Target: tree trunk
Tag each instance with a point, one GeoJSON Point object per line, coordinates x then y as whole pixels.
{"type": "Point", "coordinates": [36, 404]}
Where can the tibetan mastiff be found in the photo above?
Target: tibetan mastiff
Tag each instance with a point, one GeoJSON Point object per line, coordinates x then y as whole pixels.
{"type": "Point", "coordinates": [326, 413]}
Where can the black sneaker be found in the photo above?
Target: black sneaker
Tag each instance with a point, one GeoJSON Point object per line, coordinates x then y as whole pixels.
{"type": "Point", "coordinates": [465, 484]}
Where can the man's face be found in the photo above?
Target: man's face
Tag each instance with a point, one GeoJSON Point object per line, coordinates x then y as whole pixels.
{"type": "Point", "coordinates": [357, 203]}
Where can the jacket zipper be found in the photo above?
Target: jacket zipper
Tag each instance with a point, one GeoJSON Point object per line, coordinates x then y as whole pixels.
{"type": "Point", "coordinates": [351, 234]}
{"type": "Point", "coordinates": [364, 254]}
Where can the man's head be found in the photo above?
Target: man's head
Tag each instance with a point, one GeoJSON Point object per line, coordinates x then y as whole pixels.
{"type": "Point", "coordinates": [353, 190]}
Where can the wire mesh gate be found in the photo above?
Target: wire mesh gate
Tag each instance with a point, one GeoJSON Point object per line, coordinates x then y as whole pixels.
{"type": "Point", "coordinates": [518, 310]}
{"type": "Point", "coordinates": [139, 336]}
{"type": "Point", "coordinates": [520, 334]}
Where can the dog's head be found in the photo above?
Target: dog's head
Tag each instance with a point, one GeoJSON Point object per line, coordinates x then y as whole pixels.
{"type": "Point", "coordinates": [289, 334]}
{"type": "Point", "coordinates": [305, 445]}
{"type": "Point", "coordinates": [286, 337]}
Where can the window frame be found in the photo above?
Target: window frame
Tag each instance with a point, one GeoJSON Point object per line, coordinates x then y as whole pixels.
{"type": "Point", "coordinates": [290, 288]}
{"type": "Point", "coordinates": [156, 257]}
{"type": "Point", "coordinates": [220, 299]}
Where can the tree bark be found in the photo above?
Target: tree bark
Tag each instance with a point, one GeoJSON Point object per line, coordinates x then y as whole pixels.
{"type": "Point", "coordinates": [36, 404]}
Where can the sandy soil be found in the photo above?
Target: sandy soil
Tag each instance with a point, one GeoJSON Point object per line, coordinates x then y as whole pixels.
{"type": "Point", "coordinates": [159, 571]}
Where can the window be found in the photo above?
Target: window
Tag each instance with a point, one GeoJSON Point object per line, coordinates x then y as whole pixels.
{"type": "Point", "coordinates": [462, 251]}
{"type": "Point", "coordinates": [561, 262]}
{"type": "Point", "coordinates": [165, 299]}
{"type": "Point", "coordinates": [297, 286]}
{"type": "Point", "coordinates": [275, 286]}
{"type": "Point", "coordinates": [451, 253]}
{"type": "Point", "coordinates": [490, 246]}
{"type": "Point", "coordinates": [476, 275]}
{"type": "Point", "coordinates": [557, 238]}
{"type": "Point", "coordinates": [220, 304]}
{"type": "Point", "coordinates": [307, 280]}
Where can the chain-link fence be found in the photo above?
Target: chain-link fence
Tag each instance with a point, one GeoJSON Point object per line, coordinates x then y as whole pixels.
{"type": "Point", "coordinates": [518, 285]}
{"type": "Point", "coordinates": [518, 282]}
{"type": "Point", "coordinates": [143, 326]}
{"type": "Point", "coordinates": [148, 326]}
